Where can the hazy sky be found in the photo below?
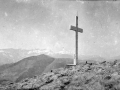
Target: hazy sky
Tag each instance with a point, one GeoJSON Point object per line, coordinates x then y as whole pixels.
{"type": "Point", "coordinates": [45, 24]}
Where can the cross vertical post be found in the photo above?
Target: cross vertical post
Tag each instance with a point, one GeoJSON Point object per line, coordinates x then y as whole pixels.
{"type": "Point", "coordinates": [76, 29]}
{"type": "Point", "coordinates": [76, 58]}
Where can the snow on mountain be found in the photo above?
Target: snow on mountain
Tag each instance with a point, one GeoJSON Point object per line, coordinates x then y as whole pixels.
{"type": "Point", "coordinates": [14, 55]}
{"type": "Point", "coordinates": [40, 51]}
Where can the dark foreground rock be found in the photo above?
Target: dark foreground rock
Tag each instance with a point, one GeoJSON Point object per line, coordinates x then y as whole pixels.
{"type": "Point", "coordinates": [85, 76]}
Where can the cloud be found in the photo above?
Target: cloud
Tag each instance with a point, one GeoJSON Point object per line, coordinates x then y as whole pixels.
{"type": "Point", "coordinates": [43, 2]}
{"type": "Point", "coordinates": [24, 1]}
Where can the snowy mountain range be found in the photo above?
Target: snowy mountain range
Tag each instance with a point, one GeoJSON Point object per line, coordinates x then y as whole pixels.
{"type": "Point", "coordinates": [13, 55]}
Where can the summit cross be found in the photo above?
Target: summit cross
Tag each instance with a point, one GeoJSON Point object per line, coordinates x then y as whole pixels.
{"type": "Point", "coordinates": [76, 29]}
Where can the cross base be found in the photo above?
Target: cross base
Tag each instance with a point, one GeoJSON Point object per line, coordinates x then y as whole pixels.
{"type": "Point", "coordinates": [70, 65]}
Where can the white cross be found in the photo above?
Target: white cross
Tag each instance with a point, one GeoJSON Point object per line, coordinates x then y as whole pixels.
{"type": "Point", "coordinates": [76, 29]}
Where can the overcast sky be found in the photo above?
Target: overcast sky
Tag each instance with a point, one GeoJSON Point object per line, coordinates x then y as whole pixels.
{"type": "Point", "coordinates": [45, 24]}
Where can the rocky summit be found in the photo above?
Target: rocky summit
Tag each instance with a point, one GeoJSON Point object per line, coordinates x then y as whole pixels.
{"type": "Point", "coordinates": [85, 76]}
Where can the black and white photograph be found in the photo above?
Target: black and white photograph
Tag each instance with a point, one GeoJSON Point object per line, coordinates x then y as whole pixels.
{"type": "Point", "coordinates": [59, 44]}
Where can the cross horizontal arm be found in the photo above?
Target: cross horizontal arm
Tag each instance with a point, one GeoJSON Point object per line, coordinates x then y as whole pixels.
{"type": "Point", "coordinates": [75, 29]}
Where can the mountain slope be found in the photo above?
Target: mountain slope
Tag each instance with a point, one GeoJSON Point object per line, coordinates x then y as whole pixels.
{"type": "Point", "coordinates": [36, 65]}
{"type": "Point", "coordinates": [27, 67]}
{"type": "Point", "coordinates": [95, 76]}
{"type": "Point", "coordinates": [58, 63]}
{"type": "Point", "coordinates": [4, 66]}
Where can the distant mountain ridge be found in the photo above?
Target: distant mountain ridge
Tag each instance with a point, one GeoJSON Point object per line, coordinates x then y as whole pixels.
{"type": "Point", "coordinates": [27, 67]}
{"type": "Point", "coordinates": [31, 66]}
{"type": "Point", "coordinates": [11, 55]}
{"type": "Point", "coordinates": [34, 65]}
